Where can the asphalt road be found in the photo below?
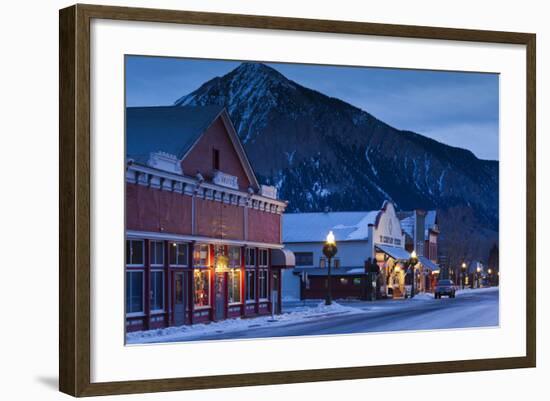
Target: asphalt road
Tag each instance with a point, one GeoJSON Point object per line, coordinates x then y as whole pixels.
{"type": "Point", "coordinates": [471, 309]}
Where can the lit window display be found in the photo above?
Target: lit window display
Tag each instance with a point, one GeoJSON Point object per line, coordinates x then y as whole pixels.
{"type": "Point", "coordinates": [200, 255]}
{"type": "Point", "coordinates": [202, 288]}
{"type": "Point", "coordinates": [234, 285]}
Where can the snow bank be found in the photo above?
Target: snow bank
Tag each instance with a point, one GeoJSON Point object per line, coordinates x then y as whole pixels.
{"type": "Point", "coordinates": [181, 333]}
{"type": "Point", "coordinates": [476, 290]}
{"type": "Point", "coordinates": [423, 296]}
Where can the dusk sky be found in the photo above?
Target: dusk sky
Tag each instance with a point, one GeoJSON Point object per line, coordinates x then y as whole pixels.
{"type": "Point", "coordinates": [459, 109]}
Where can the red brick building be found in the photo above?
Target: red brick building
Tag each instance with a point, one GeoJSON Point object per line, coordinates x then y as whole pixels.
{"type": "Point", "coordinates": [203, 237]}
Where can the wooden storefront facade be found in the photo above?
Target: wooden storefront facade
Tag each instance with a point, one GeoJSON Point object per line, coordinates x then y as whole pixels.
{"type": "Point", "coordinates": [203, 237]}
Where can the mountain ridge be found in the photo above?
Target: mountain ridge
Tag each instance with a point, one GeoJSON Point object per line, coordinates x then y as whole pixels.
{"type": "Point", "coordinates": [322, 152]}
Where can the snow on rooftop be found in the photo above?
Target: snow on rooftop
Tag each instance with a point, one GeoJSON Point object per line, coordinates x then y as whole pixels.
{"type": "Point", "coordinates": [314, 227]}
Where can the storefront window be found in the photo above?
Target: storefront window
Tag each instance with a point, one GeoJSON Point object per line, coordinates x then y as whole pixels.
{"type": "Point", "coordinates": [250, 259]}
{"type": "Point", "coordinates": [178, 254]}
{"type": "Point", "coordinates": [234, 285]}
{"type": "Point", "coordinates": [134, 291]}
{"type": "Point", "coordinates": [157, 290]}
{"type": "Point", "coordinates": [156, 256]}
{"type": "Point", "coordinates": [134, 252]}
{"type": "Point", "coordinates": [202, 287]}
{"type": "Point", "coordinates": [262, 283]}
{"type": "Point", "coordinates": [250, 285]}
{"type": "Point", "coordinates": [234, 256]}
{"type": "Point", "coordinates": [200, 255]}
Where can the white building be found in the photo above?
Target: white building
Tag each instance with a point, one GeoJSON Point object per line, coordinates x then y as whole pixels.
{"type": "Point", "coordinates": [360, 236]}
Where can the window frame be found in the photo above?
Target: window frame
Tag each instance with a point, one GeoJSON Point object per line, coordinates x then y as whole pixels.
{"type": "Point", "coordinates": [266, 271]}
{"type": "Point", "coordinates": [216, 159]}
{"type": "Point", "coordinates": [142, 264]}
{"type": "Point", "coordinates": [174, 244]}
{"type": "Point", "coordinates": [152, 245]}
{"type": "Point", "coordinates": [151, 289]}
{"type": "Point", "coordinates": [142, 312]}
{"type": "Point", "coordinates": [302, 253]}
{"type": "Point", "coordinates": [246, 257]}
{"type": "Point", "coordinates": [239, 259]}
{"type": "Point", "coordinates": [260, 252]}
{"type": "Point", "coordinates": [253, 273]}
{"type": "Point", "coordinates": [230, 280]}
{"type": "Point", "coordinates": [195, 265]}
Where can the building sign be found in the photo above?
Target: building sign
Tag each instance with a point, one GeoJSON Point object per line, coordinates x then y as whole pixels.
{"type": "Point", "coordinates": [269, 191]}
{"type": "Point", "coordinates": [164, 161]}
{"type": "Point", "coordinates": [390, 240]}
{"type": "Point", "coordinates": [225, 180]}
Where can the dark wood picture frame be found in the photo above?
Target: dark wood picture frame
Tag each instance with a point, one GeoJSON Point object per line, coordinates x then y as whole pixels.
{"type": "Point", "coordinates": [74, 205]}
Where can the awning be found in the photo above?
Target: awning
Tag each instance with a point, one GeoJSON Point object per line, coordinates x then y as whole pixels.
{"type": "Point", "coordinates": [428, 263]}
{"type": "Point", "coordinates": [282, 258]}
{"type": "Point", "coordinates": [394, 252]}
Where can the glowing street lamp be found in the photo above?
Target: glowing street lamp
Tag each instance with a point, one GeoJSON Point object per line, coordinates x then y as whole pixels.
{"type": "Point", "coordinates": [463, 273]}
{"type": "Point", "coordinates": [329, 250]}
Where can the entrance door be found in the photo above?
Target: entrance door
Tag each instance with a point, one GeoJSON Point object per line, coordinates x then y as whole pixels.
{"type": "Point", "coordinates": [179, 298]}
{"type": "Point", "coordinates": [220, 296]}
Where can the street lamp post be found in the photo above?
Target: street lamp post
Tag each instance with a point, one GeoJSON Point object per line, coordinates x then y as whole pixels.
{"type": "Point", "coordinates": [463, 274]}
{"type": "Point", "coordinates": [489, 272]}
{"type": "Point", "coordinates": [329, 250]}
{"type": "Point", "coordinates": [478, 276]}
{"type": "Point", "coordinates": [412, 263]}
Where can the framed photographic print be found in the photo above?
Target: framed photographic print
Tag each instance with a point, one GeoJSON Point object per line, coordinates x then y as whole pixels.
{"type": "Point", "coordinates": [250, 200]}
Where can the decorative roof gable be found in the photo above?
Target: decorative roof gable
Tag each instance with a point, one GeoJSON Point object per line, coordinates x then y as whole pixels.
{"type": "Point", "coordinates": [176, 130]}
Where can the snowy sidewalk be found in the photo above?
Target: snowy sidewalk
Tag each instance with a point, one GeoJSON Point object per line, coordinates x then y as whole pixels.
{"type": "Point", "coordinates": [181, 333]}
{"type": "Point", "coordinates": [298, 313]}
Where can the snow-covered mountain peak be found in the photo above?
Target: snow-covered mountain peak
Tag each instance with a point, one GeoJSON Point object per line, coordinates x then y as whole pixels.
{"type": "Point", "coordinates": [250, 93]}
{"type": "Point", "coordinates": [258, 70]}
